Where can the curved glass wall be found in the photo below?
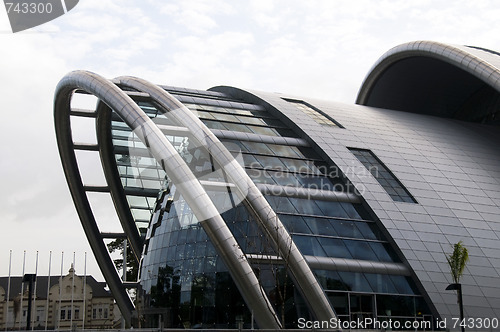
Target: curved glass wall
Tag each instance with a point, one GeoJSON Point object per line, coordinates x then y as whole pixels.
{"type": "Point", "coordinates": [183, 278]}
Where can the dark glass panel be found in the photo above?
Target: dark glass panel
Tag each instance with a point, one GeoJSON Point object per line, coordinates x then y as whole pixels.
{"type": "Point", "coordinates": [294, 224]}
{"type": "Point", "coordinates": [260, 148]}
{"type": "Point", "coordinates": [395, 305]}
{"type": "Point", "coordinates": [330, 280]}
{"type": "Point", "coordinates": [284, 150]}
{"type": "Point", "coordinates": [356, 281]}
{"type": "Point", "coordinates": [334, 248]}
{"type": "Point", "coordinates": [214, 124]}
{"type": "Point", "coordinates": [306, 206]}
{"type": "Point", "coordinates": [333, 209]}
{"type": "Point", "coordinates": [235, 145]}
{"type": "Point", "coordinates": [340, 303]}
{"type": "Point", "coordinates": [368, 231]}
{"type": "Point", "coordinates": [285, 179]}
{"type": "Point", "coordinates": [296, 165]}
{"type": "Point", "coordinates": [320, 226]}
{"type": "Point", "coordinates": [237, 127]}
{"type": "Point", "coordinates": [260, 176]}
{"type": "Point", "coordinates": [381, 283]}
{"type": "Point", "coordinates": [351, 210]}
{"type": "Point", "coordinates": [404, 285]}
{"type": "Point", "coordinates": [346, 228]}
{"type": "Point", "coordinates": [360, 250]}
{"type": "Point", "coordinates": [308, 245]}
{"type": "Point", "coordinates": [384, 252]}
{"type": "Point", "coordinates": [271, 162]}
{"type": "Point", "coordinates": [281, 204]}
{"type": "Point", "coordinates": [251, 161]}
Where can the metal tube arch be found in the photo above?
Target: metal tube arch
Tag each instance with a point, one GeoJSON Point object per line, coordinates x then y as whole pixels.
{"type": "Point", "coordinates": [276, 232]}
{"type": "Point", "coordinates": [181, 176]}
{"type": "Point", "coordinates": [65, 144]}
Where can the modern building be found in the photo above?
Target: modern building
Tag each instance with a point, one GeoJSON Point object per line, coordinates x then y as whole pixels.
{"type": "Point", "coordinates": [268, 209]}
{"type": "Point", "coordinates": [66, 302]}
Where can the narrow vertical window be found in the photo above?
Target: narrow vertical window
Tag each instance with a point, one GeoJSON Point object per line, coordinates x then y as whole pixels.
{"type": "Point", "coordinates": [315, 113]}
{"type": "Point", "coordinates": [384, 176]}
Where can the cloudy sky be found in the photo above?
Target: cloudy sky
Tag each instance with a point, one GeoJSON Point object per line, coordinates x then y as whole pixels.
{"type": "Point", "coordinates": [313, 48]}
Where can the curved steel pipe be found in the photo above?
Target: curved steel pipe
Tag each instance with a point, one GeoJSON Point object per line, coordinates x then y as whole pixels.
{"type": "Point", "coordinates": [187, 184]}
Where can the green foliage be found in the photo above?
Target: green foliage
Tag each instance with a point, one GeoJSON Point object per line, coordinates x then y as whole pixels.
{"type": "Point", "coordinates": [458, 260]}
{"type": "Point", "coordinates": [132, 265]}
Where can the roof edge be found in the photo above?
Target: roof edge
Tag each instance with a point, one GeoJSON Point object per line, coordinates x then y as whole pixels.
{"type": "Point", "coordinates": [457, 56]}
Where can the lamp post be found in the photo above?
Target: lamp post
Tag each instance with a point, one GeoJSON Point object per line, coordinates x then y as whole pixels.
{"type": "Point", "coordinates": [458, 288]}
{"type": "Point", "coordinates": [30, 278]}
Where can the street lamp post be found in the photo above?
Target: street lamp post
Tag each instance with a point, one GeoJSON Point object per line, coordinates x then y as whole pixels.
{"type": "Point", "coordinates": [458, 288]}
{"type": "Point", "coordinates": [30, 278]}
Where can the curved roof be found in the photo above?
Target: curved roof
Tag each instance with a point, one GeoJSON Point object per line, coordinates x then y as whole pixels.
{"type": "Point", "coordinates": [461, 82]}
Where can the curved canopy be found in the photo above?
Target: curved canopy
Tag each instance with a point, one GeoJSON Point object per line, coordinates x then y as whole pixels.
{"type": "Point", "coordinates": [459, 82]}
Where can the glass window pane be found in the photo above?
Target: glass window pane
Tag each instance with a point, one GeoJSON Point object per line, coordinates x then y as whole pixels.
{"type": "Point", "coordinates": [260, 148]}
{"type": "Point", "coordinates": [360, 250]}
{"type": "Point", "coordinates": [283, 150]}
{"type": "Point", "coordinates": [294, 224]}
{"type": "Point", "coordinates": [381, 283]}
{"type": "Point", "coordinates": [306, 206]}
{"type": "Point", "coordinates": [224, 117]}
{"type": "Point", "coordinates": [368, 231]}
{"type": "Point", "coordinates": [356, 282]}
{"type": "Point", "coordinates": [340, 303]}
{"type": "Point", "coordinates": [334, 248]}
{"type": "Point", "coordinates": [214, 124]}
{"type": "Point", "coordinates": [346, 228]}
{"type": "Point", "coordinates": [271, 162]}
{"type": "Point", "coordinates": [320, 226]}
{"type": "Point", "coordinates": [263, 130]}
{"type": "Point", "coordinates": [281, 204]}
{"type": "Point", "coordinates": [393, 305]}
{"type": "Point", "coordinates": [379, 170]}
{"type": "Point", "coordinates": [333, 209]}
{"type": "Point", "coordinates": [237, 127]}
{"type": "Point", "coordinates": [296, 165]}
{"type": "Point", "coordinates": [235, 146]}
{"type": "Point", "coordinates": [350, 210]}
{"type": "Point", "coordinates": [308, 245]}
{"type": "Point", "coordinates": [330, 280]}
{"type": "Point", "coordinates": [285, 179]}
{"type": "Point", "coordinates": [402, 284]}
{"type": "Point", "coordinates": [260, 176]}
{"type": "Point", "coordinates": [251, 161]}
{"type": "Point", "coordinates": [384, 252]}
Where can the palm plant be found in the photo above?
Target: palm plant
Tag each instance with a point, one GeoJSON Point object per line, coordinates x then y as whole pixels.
{"type": "Point", "coordinates": [458, 260]}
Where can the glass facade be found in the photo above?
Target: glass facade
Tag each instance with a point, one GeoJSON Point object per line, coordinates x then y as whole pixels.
{"type": "Point", "coordinates": [182, 275]}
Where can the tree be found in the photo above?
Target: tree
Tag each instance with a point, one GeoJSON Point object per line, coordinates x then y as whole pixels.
{"type": "Point", "coordinates": [132, 265]}
{"type": "Point", "coordinates": [457, 261]}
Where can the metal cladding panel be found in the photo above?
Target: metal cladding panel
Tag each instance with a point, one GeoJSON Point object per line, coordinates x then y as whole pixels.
{"type": "Point", "coordinates": [452, 168]}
